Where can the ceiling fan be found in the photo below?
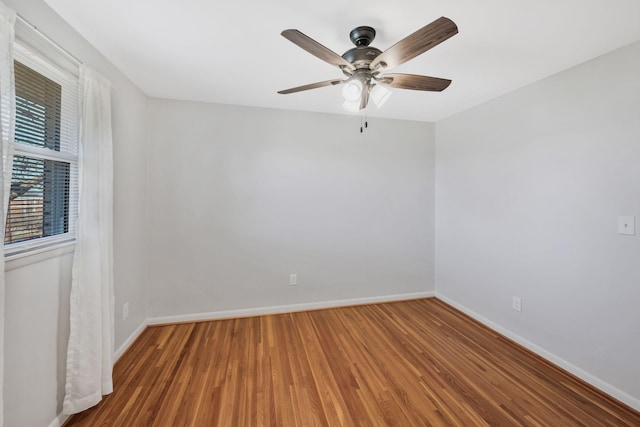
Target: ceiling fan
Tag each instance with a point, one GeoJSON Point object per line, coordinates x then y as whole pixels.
{"type": "Point", "coordinates": [363, 64]}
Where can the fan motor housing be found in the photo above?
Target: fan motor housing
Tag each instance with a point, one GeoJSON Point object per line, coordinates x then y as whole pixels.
{"type": "Point", "coordinates": [361, 56]}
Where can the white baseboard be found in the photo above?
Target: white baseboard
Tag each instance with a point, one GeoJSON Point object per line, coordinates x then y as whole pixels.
{"type": "Point", "coordinates": [583, 375]}
{"type": "Point", "coordinates": [259, 311]}
{"type": "Point", "coordinates": [127, 343]}
{"type": "Point", "coordinates": [59, 420]}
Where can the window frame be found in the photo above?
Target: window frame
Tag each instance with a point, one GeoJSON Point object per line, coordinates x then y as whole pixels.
{"type": "Point", "coordinates": [55, 67]}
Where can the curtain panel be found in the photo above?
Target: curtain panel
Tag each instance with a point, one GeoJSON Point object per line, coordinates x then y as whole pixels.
{"type": "Point", "coordinates": [91, 339]}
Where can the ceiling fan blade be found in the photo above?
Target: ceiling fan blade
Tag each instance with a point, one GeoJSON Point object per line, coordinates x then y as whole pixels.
{"type": "Point", "coordinates": [316, 49]}
{"type": "Point", "coordinates": [311, 86]}
{"type": "Point", "coordinates": [414, 82]}
{"type": "Point", "coordinates": [417, 43]}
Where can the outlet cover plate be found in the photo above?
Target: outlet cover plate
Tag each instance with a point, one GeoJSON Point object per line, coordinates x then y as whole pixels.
{"type": "Point", "coordinates": [627, 225]}
{"type": "Point", "coordinates": [517, 304]}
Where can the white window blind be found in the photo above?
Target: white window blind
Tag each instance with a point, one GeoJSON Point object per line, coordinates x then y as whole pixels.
{"type": "Point", "coordinates": [43, 201]}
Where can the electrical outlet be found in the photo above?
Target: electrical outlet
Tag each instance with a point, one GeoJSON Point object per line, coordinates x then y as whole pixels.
{"type": "Point", "coordinates": [627, 225]}
{"type": "Point", "coordinates": [293, 279]}
{"type": "Point", "coordinates": [125, 310]}
{"type": "Point", "coordinates": [517, 304]}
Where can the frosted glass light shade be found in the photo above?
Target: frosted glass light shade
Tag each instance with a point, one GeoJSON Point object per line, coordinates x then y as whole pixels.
{"type": "Point", "coordinates": [352, 90]}
{"type": "Point", "coordinates": [379, 94]}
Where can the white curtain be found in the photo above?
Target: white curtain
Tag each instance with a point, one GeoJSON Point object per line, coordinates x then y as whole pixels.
{"type": "Point", "coordinates": [7, 128]}
{"type": "Point", "coordinates": [91, 339]}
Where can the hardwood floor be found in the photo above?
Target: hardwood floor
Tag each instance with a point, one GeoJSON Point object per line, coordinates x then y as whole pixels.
{"type": "Point", "coordinates": [411, 363]}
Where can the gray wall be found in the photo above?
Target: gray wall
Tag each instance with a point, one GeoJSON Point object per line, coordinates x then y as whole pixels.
{"type": "Point", "coordinates": [241, 197]}
{"type": "Point", "coordinates": [37, 288]}
{"type": "Point", "coordinates": [528, 191]}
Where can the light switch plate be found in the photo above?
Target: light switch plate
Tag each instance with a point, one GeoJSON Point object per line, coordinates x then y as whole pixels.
{"type": "Point", "coordinates": [627, 225]}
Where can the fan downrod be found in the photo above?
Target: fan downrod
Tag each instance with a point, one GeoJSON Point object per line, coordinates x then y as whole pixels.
{"type": "Point", "coordinates": [362, 36]}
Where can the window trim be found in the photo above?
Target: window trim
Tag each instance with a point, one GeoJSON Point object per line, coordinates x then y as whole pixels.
{"type": "Point", "coordinates": [22, 259]}
{"type": "Point", "coordinates": [35, 50]}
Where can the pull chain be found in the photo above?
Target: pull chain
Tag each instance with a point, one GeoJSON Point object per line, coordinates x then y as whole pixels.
{"type": "Point", "coordinates": [363, 118]}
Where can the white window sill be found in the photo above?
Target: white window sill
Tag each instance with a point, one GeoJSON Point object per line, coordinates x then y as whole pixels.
{"type": "Point", "coordinates": [23, 259]}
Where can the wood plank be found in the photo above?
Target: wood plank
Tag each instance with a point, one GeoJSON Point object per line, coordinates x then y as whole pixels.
{"type": "Point", "coordinates": [407, 363]}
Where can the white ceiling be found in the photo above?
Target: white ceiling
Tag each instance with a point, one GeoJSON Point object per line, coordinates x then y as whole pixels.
{"type": "Point", "coordinates": [232, 52]}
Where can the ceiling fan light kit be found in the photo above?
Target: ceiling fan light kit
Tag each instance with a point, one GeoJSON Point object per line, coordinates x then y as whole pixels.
{"type": "Point", "coordinates": [379, 95]}
{"type": "Point", "coordinates": [363, 64]}
{"type": "Point", "coordinates": [352, 90]}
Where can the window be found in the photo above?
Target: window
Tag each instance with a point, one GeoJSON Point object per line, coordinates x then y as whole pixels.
{"type": "Point", "coordinates": [43, 200]}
